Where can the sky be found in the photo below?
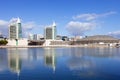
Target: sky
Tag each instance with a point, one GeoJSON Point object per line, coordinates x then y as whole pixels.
{"type": "Point", "coordinates": [72, 17]}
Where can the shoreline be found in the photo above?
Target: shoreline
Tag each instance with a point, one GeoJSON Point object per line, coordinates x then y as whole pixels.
{"type": "Point", "coordinates": [55, 46]}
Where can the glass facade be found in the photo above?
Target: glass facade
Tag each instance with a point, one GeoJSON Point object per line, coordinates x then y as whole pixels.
{"type": "Point", "coordinates": [54, 32]}
{"type": "Point", "coordinates": [15, 30]}
{"type": "Point", "coordinates": [19, 30]}
{"type": "Point", "coordinates": [50, 32]}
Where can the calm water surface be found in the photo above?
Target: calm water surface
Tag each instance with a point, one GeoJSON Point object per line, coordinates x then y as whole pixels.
{"type": "Point", "coordinates": [60, 64]}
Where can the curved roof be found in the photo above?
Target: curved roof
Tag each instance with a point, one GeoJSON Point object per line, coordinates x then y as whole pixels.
{"type": "Point", "coordinates": [100, 37]}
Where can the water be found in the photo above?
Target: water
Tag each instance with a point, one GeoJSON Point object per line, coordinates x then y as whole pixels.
{"type": "Point", "coordinates": [60, 64]}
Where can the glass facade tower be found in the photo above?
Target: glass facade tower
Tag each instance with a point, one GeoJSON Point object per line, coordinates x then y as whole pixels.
{"type": "Point", "coordinates": [15, 30]}
{"type": "Point", "coordinates": [50, 32]}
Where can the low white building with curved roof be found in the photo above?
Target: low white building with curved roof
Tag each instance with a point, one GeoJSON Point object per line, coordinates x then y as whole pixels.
{"type": "Point", "coordinates": [98, 40]}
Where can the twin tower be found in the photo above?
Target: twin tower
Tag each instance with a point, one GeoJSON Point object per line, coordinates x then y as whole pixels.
{"type": "Point", "coordinates": [15, 30]}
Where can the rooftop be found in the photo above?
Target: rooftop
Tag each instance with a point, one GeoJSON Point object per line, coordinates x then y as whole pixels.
{"type": "Point", "coordinates": [100, 37]}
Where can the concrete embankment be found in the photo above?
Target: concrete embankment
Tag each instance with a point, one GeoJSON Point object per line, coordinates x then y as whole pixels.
{"type": "Point", "coordinates": [18, 46]}
{"type": "Point", "coordinates": [52, 46]}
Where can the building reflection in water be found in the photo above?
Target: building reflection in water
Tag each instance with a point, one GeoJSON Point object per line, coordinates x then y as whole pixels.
{"type": "Point", "coordinates": [14, 61]}
{"type": "Point", "coordinates": [50, 58]}
{"type": "Point", "coordinates": [35, 54]}
{"type": "Point", "coordinates": [102, 52]}
{"type": "Point", "coordinates": [82, 60]}
{"type": "Point", "coordinates": [80, 64]}
{"type": "Point", "coordinates": [78, 61]}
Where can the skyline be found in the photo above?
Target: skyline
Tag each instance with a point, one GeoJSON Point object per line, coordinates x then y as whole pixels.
{"type": "Point", "coordinates": [73, 17]}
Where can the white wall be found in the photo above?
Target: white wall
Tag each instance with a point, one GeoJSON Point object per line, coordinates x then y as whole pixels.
{"type": "Point", "coordinates": [21, 42]}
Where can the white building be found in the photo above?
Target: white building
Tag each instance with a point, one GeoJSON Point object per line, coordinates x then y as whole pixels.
{"type": "Point", "coordinates": [15, 34]}
{"type": "Point", "coordinates": [35, 36]}
{"type": "Point", "coordinates": [50, 32]}
{"type": "Point", "coordinates": [20, 42]}
{"type": "Point", "coordinates": [15, 29]}
{"type": "Point", "coordinates": [30, 37]}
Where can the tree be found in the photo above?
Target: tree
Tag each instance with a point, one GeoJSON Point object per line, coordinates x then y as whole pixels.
{"type": "Point", "coordinates": [3, 42]}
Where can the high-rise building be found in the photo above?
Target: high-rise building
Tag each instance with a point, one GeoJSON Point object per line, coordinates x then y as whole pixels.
{"type": "Point", "coordinates": [50, 32]}
{"type": "Point", "coordinates": [15, 30]}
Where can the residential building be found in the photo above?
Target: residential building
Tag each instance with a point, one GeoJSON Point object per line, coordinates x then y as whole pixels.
{"type": "Point", "coordinates": [37, 36]}
{"type": "Point", "coordinates": [15, 34]}
{"type": "Point", "coordinates": [50, 32]}
{"type": "Point", "coordinates": [15, 30]}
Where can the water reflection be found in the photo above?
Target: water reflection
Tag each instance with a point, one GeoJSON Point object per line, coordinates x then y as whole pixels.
{"type": "Point", "coordinates": [35, 53]}
{"type": "Point", "coordinates": [103, 52]}
{"type": "Point", "coordinates": [50, 58]}
{"type": "Point", "coordinates": [81, 65]}
{"type": "Point", "coordinates": [91, 62]}
{"type": "Point", "coordinates": [3, 60]}
{"type": "Point", "coordinates": [66, 63]}
{"type": "Point", "coordinates": [14, 61]}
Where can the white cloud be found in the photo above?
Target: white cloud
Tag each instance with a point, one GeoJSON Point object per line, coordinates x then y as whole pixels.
{"type": "Point", "coordinates": [29, 25]}
{"type": "Point", "coordinates": [115, 34]}
{"type": "Point", "coordinates": [86, 22]}
{"type": "Point", "coordinates": [107, 14]}
{"type": "Point", "coordinates": [92, 16]}
{"type": "Point", "coordinates": [13, 20]}
{"type": "Point", "coordinates": [3, 23]}
{"type": "Point", "coordinates": [26, 26]}
{"type": "Point", "coordinates": [78, 28]}
{"type": "Point", "coordinates": [86, 17]}
{"type": "Point", "coordinates": [32, 27]}
{"type": "Point", "coordinates": [3, 27]}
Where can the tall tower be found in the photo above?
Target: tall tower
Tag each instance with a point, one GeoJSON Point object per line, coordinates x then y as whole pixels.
{"type": "Point", "coordinates": [50, 32]}
{"type": "Point", "coordinates": [54, 30]}
{"type": "Point", "coordinates": [15, 29]}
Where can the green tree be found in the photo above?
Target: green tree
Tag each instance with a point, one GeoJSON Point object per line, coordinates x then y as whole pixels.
{"type": "Point", "coordinates": [3, 42]}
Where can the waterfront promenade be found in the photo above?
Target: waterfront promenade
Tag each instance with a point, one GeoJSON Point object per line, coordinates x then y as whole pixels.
{"type": "Point", "coordinates": [52, 46]}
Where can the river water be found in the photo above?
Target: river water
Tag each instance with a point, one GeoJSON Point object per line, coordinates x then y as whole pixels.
{"type": "Point", "coordinates": [60, 63]}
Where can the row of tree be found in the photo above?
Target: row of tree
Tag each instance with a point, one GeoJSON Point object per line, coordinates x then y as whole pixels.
{"type": "Point", "coordinates": [3, 42]}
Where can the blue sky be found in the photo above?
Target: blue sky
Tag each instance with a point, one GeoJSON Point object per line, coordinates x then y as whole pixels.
{"type": "Point", "coordinates": [73, 17]}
